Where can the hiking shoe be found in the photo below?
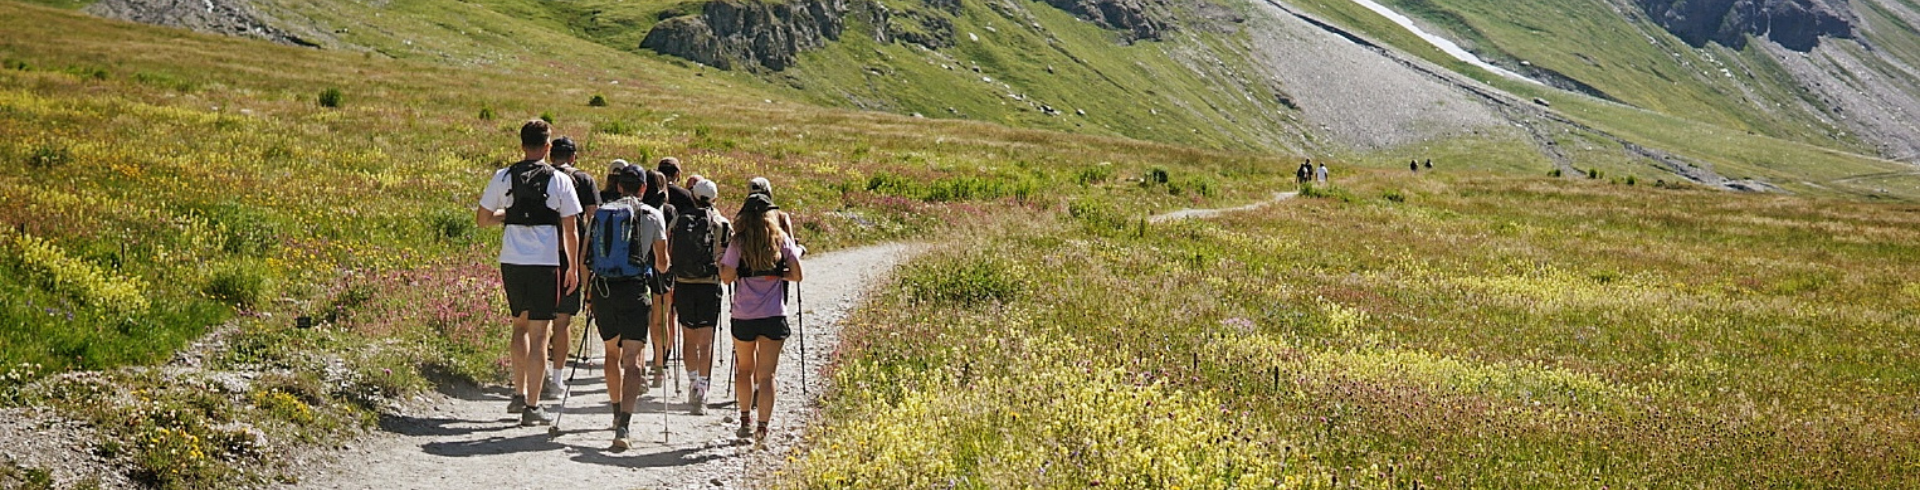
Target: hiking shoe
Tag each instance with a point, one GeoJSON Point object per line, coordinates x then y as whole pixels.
{"type": "Point", "coordinates": [620, 439]}
{"type": "Point", "coordinates": [533, 416]}
{"type": "Point", "coordinates": [746, 428]}
{"type": "Point", "coordinates": [518, 404]}
{"type": "Point", "coordinates": [698, 397]}
{"type": "Point", "coordinates": [760, 433]}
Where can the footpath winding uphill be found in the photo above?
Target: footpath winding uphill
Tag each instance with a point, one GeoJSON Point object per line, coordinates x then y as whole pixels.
{"type": "Point", "coordinates": [467, 440]}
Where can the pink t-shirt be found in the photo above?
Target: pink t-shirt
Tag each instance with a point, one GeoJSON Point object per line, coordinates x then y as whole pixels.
{"type": "Point", "coordinates": [759, 297]}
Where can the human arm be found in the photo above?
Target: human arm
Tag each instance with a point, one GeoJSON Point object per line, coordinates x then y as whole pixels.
{"type": "Point", "coordinates": [570, 248]}
{"type": "Point", "coordinates": [793, 262]}
{"type": "Point", "coordinates": [729, 260]}
{"type": "Point", "coordinates": [489, 217]}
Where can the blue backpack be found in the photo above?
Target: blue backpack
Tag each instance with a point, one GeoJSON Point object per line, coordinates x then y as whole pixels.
{"type": "Point", "coordinates": [611, 253]}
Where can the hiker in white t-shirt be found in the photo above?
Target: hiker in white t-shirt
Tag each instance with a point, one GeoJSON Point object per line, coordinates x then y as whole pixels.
{"type": "Point", "coordinates": [538, 207]}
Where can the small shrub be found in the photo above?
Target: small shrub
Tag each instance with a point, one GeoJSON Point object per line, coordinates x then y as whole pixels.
{"type": "Point", "coordinates": [284, 406]}
{"type": "Point", "coordinates": [615, 127]}
{"type": "Point", "coordinates": [547, 116]}
{"type": "Point", "coordinates": [486, 113]}
{"type": "Point", "coordinates": [1631, 181]}
{"type": "Point", "coordinates": [1096, 174]}
{"type": "Point", "coordinates": [597, 101]}
{"type": "Point", "coordinates": [1326, 192]}
{"type": "Point", "coordinates": [890, 184]}
{"type": "Point", "coordinates": [1155, 176]}
{"type": "Point", "coordinates": [1593, 173]}
{"type": "Point", "coordinates": [965, 280]}
{"type": "Point", "coordinates": [241, 284]}
{"type": "Point", "coordinates": [1393, 195]}
{"type": "Point", "coordinates": [451, 224]}
{"type": "Point", "coordinates": [330, 98]}
{"type": "Point", "coordinates": [18, 65]}
{"type": "Point", "coordinates": [48, 156]}
{"type": "Point", "coordinates": [1554, 173]}
{"type": "Point", "coordinates": [1097, 215]}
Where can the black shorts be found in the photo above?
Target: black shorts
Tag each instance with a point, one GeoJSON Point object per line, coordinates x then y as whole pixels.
{"type": "Point", "coordinates": [698, 304]}
{"type": "Point", "coordinates": [621, 309]}
{"type": "Point", "coordinates": [533, 289]}
{"type": "Point", "coordinates": [570, 303]}
{"type": "Point", "coordinates": [773, 328]}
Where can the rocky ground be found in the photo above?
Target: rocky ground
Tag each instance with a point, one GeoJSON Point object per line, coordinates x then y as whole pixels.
{"type": "Point", "coordinates": [465, 438]}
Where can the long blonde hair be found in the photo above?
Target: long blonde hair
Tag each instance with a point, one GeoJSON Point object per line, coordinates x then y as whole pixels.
{"type": "Point", "coordinates": [759, 236]}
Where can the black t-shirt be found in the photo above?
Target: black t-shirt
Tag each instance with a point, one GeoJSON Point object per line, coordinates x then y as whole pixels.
{"type": "Point", "coordinates": [609, 195]}
{"type": "Point", "coordinates": [680, 197]}
{"type": "Point", "coordinates": [583, 187]}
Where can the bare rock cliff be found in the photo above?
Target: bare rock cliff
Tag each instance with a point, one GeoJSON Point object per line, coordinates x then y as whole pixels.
{"type": "Point", "coordinates": [1796, 24]}
{"type": "Point", "coordinates": [729, 34]}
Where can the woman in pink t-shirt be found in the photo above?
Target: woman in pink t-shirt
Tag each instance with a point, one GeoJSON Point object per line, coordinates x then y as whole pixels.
{"type": "Point", "coordinates": [760, 259]}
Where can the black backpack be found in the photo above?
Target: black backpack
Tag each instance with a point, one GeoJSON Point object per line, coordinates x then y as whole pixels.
{"type": "Point", "coordinates": [529, 181]}
{"type": "Point", "coordinates": [697, 239]}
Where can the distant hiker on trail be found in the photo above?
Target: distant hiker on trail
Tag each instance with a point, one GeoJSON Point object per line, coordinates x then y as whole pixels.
{"type": "Point", "coordinates": [563, 156]}
{"type": "Point", "coordinates": [758, 262]}
{"type": "Point", "coordinates": [1429, 164]}
{"type": "Point", "coordinates": [665, 339]}
{"type": "Point", "coordinates": [1413, 165]}
{"type": "Point", "coordinates": [1302, 174]}
{"type": "Point", "coordinates": [535, 208]}
{"type": "Point", "coordinates": [629, 247]}
{"type": "Point", "coordinates": [1322, 175]}
{"type": "Point", "coordinates": [699, 237]}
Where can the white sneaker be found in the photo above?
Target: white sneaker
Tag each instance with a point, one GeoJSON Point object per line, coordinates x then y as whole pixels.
{"type": "Point", "coordinates": [698, 397]}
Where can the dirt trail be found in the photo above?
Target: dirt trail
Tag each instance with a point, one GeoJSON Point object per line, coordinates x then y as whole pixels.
{"type": "Point", "coordinates": [466, 439]}
{"type": "Point", "coordinates": [1191, 213]}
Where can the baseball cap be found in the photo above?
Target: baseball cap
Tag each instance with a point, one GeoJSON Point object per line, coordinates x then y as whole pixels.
{"type": "Point", "coordinates": [631, 175]}
{"type": "Point", "coordinates": [563, 146]}
{"type": "Point", "coordinates": [757, 203]}
{"type": "Point", "coordinates": [617, 165]}
{"type": "Point", "coordinates": [706, 188]}
{"type": "Point", "coordinates": [760, 185]}
{"type": "Point", "coordinates": [669, 166]}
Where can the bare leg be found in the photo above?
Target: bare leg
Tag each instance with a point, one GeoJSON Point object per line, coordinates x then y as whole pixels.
{"type": "Point", "coordinates": [699, 351]}
{"type": "Point", "coordinates": [767, 355]}
{"type": "Point", "coordinates": [559, 342]}
{"type": "Point", "coordinates": [614, 371]}
{"type": "Point", "coordinates": [533, 360]}
{"type": "Point", "coordinates": [632, 383]}
{"type": "Point", "coordinates": [744, 364]}
{"type": "Point", "coordinates": [516, 359]}
{"type": "Point", "coordinates": [662, 337]}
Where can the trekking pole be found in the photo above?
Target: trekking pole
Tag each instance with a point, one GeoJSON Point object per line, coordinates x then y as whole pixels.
{"type": "Point", "coordinates": [580, 353]}
{"type": "Point", "coordinates": [801, 296]}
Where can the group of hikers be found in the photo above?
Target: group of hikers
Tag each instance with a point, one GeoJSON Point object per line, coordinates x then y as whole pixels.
{"type": "Point", "coordinates": [1306, 173]}
{"type": "Point", "coordinates": [644, 255]}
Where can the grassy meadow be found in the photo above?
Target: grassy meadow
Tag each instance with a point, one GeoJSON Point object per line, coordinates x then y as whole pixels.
{"type": "Point", "coordinates": [1398, 331]}
{"type": "Point", "coordinates": [167, 185]}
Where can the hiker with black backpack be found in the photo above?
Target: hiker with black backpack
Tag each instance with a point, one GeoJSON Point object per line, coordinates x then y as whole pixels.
{"type": "Point", "coordinates": [665, 338]}
{"type": "Point", "coordinates": [563, 155]}
{"type": "Point", "coordinates": [699, 237]}
{"type": "Point", "coordinates": [628, 254]}
{"type": "Point", "coordinates": [759, 261]}
{"type": "Point", "coordinates": [538, 208]}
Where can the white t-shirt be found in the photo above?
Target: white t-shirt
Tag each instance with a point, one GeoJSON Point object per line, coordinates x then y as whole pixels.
{"type": "Point", "coordinates": [531, 245]}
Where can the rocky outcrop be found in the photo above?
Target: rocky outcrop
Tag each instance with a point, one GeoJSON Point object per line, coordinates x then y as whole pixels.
{"type": "Point", "coordinates": [1125, 15]}
{"type": "Point", "coordinates": [1796, 24]}
{"type": "Point", "coordinates": [230, 17]}
{"type": "Point", "coordinates": [729, 34]}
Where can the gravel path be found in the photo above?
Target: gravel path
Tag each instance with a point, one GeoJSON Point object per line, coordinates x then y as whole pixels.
{"type": "Point", "coordinates": [1191, 213]}
{"type": "Point", "coordinates": [466, 439]}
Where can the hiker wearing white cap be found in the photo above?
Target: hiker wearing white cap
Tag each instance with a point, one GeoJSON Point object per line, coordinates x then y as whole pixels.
{"type": "Point", "coordinates": [699, 238]}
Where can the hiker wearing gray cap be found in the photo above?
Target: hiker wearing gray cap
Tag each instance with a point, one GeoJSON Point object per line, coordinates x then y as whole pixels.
{"type": "Point", "coordinates": [759, 262]}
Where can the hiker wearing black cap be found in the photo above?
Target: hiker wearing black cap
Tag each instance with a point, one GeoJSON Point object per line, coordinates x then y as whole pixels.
{"type": "Point", "coordinates": [564, 153]}
{"type": "Point", "coordinates": [628, 249]}
{"type": "Point", "coordinates": [539, 209]}
{"type": "Point", "coordinates": [679, 200]}
{"type": "Point", "coordinates": [759, 262]}
{"type": "Point", "coordinates": [699, 239]}
{"type": "Point", "coordinates": [664, 336]}
{"type": "Point", "coordinates": [762, 186]}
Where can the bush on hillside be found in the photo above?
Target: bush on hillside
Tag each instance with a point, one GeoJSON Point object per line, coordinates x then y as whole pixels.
{"type": "Point", "coordinates": [330, 98]}
{"type": "Point", "coordinates": [597, 101]}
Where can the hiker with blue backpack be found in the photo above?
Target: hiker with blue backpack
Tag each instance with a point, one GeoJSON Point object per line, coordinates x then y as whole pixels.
{"type": "Point", "coordinates": [761, 258]}
{"type": "Point", "coordinates": [538, 208]}
{"type": "Point", "coordinates": [699, 237]}
{"type": "Point", "coordinates": [629, 258]}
